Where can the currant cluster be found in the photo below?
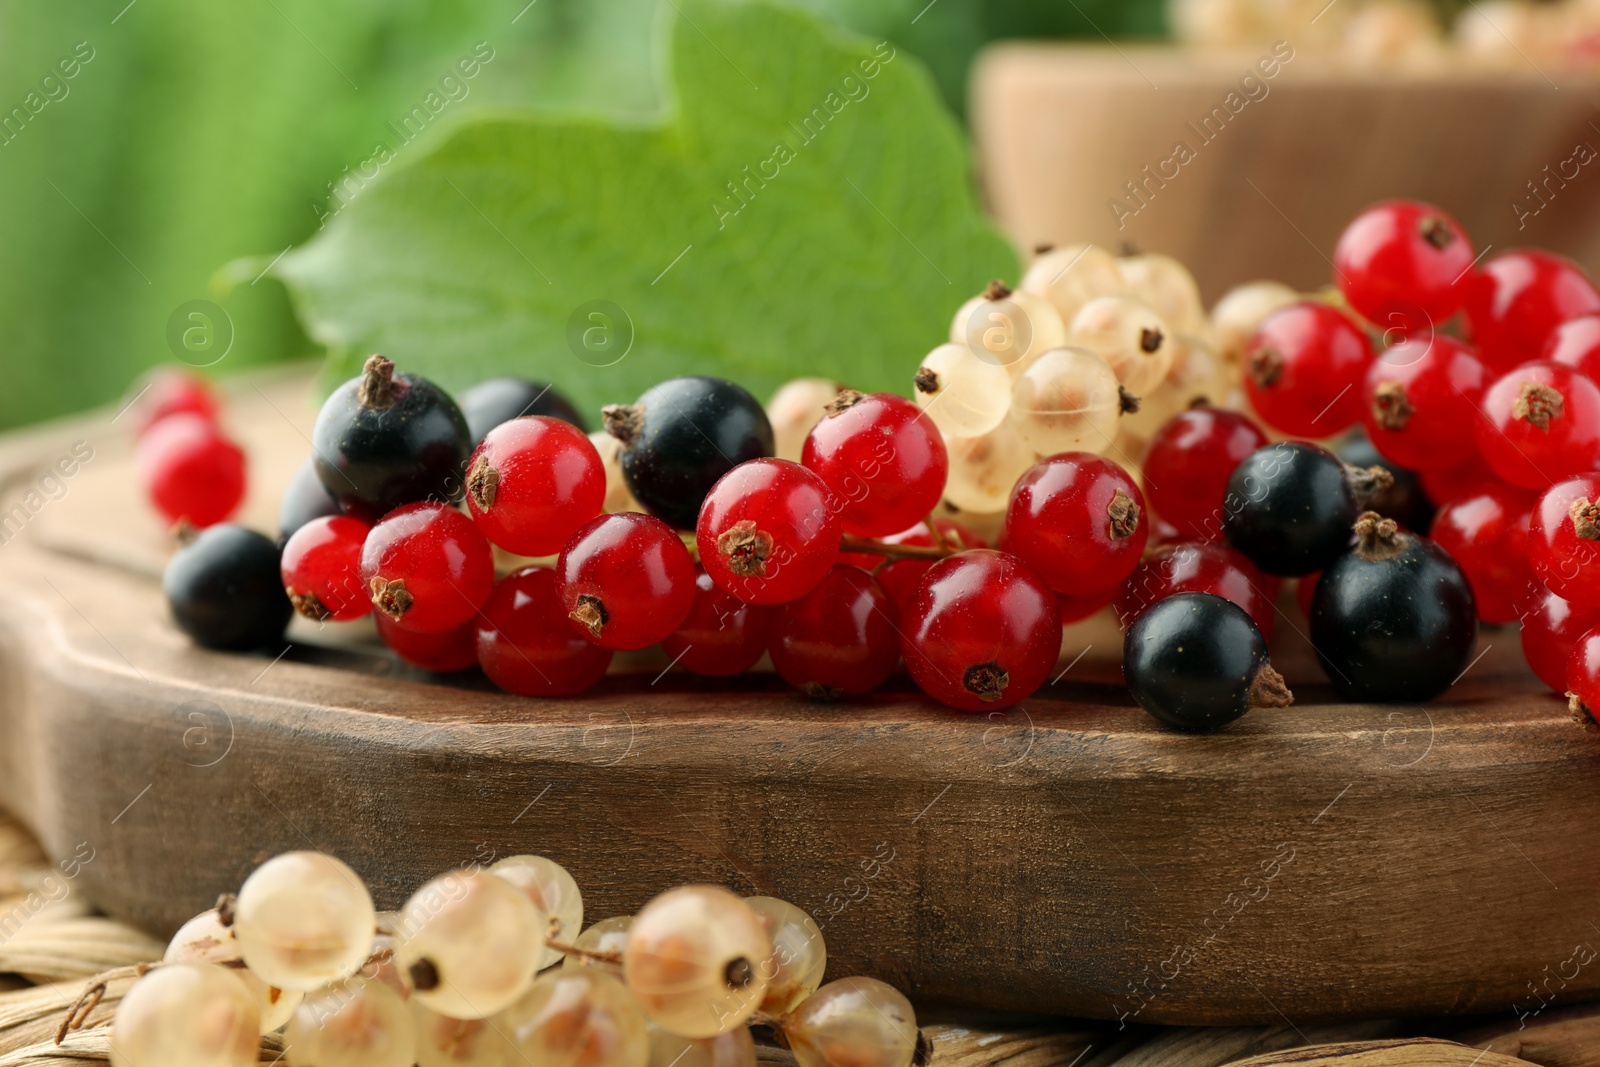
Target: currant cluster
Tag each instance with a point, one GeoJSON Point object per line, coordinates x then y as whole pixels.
{"type": "Point", "coordinates": [190, 469]}
{"type": "Point", "coordinates": [487, 967]}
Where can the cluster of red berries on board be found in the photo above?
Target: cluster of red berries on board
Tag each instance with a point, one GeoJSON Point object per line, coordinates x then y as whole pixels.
{"type": "Point", "coordinates": [1114, 443]}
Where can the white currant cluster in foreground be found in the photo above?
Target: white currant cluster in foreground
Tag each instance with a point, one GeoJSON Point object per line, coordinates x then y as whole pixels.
{"type": "Point", "coordinates": [488, 968]}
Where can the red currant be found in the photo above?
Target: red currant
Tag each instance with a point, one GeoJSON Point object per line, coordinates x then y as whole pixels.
{"type": "Point", "coordinates": [171, 392]}
{"type": "Point", "coordinates": [769, 531]}
{"type": "Point", "coordinates": [427, 567]}
{"type": "Point", "coordinates": [1539, 424]}
{"type": "Point", "coordinates": [1198, 567]}
{"type": "Point", "coordinates": [321, 569]}
{"type": "Point", "coordinates": [1583, 676]}
{"type": "Point", "coordinates": [1564, 539]}
{"type": "Point", "coordinates": [1486, 531]}
{"type": "Point", "coordinates": [532, 482]}
{"type": "Point", "coordinates": [626, 580]}
{"type": "Point", "coordinates": [1188, 464]}
{"type": "Point", "coordinates": [1403, 265]}
{"type": "Point", "coordinates": [881, 457]}
{"type": "Point", "coordinates": [1447, 483]}
{"type": "Point", "coordinates": [721, 636]}
{"type": "Point", "coordinates": [191, 471]}
{"type": "Point", "coordinates": [525, 645]}
{"type": "Point", "coordinates": [899, 577]}
{"type": "Point", "coordinates": [1419, 402]}
{"type": "Point", "coordinates": [1078, 520]}
{"type": "Point", "coordinates": [1576, 343]}
{"type": "Point", "coordinates": [982, 631]}
{"type": "Point", "coordinates": [1304, 366]}
{"type": "Point", "coordinates": [1078, 608]}
{"type": "Point", "coordinates": [1550, 628]}
{"type": "Point", "coordinates": [838, 640]}
{"type": "Point", "coordinates": [445, 652]}
{"type": "Point", "coordinates": [1517, 298]}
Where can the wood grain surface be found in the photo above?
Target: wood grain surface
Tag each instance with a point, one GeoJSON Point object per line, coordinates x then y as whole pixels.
{"type": "Point", "coordinates": [1062, 129]}
{"type": "Point", "coordinates": [1320, 863]}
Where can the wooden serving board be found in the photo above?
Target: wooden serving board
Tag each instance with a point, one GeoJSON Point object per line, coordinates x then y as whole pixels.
{"type": "Point", "coordinates": [1068, 856]}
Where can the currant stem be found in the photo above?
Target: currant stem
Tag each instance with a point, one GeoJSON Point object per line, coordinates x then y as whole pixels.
{"type": "Point", "coordinates": [585, 953]}
{"type": "Point", "coordinates": [869, 547]}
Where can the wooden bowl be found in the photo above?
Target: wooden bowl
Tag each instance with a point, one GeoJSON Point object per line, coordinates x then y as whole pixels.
{"type": "Point", "coordinates": [1061, 130]}
{"type": "Point", "coordinates": [1067, 856]}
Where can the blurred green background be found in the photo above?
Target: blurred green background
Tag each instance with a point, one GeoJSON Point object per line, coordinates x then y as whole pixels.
{"type": "Point", "coordinates": [192, 133]}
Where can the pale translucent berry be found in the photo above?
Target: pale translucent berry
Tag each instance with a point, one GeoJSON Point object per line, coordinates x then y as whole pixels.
{"type": "Point", "coordinates": [302, 920]}
{"type": "Point", "coordinates": [1072, 275]}
{"type": "Point", "coordinates": [618, 496]}
{"type": "Point", "coordinates": [964, 394]}
{"type": "Point", "coordinates": [797, 406]}
{"type": "Point", "coordinates": [553, 892]}
{"type": "Point", "coordinates": [443, 1041]}
{"type": "Point", "coordinates": [1167, 287]}
{"type": "Point", "coordinates": [204, 939]}
{"type": "Point", "coordinates": [736, 1048]}
{"type": "Point", "coordinates": [1068, 400]}
{"type": "Point", "coordinates": [1235, 317]}
{"type": "Point", "coordinates": [358, 1023]}
{"type": "Point", "coordinates": [186, 1015]}
{"type": "Point", "coordinates": [608, 936]}
{"type": "Point", "coordinates": [694, 960]}
{"type": "Point", "coordinates": [470, 943]}
{"type": "Point", "coordinates": [983, 469]}
{"type": "Point", "coordinates": [1008, 328]}
{"type": "Point", "coordinates": [794, 970]}
{"type": "Point", "coordinates": [853, 1022]}
{"type": "Point", "coordinates": [1128, 335]}
{"type": "Point", "coordinates": [577, 1018]}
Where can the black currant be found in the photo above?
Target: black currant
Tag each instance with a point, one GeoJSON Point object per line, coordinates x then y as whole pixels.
{"type": "Point", "coordinates": [1393, 618]}
{"type": "Point", "coordinates": [488, 404]}
{"type": "Point", "coordinates": [1405, 501]}
{"type": "Point", "coordinates": [1196, 662]}
{"type": "Point", "coordinates": [1289, 506]}
{"type": "Point", "coordinates": [305, 499]}
{"type": "Point", "coordinates": [680, 437]}
{"type": "Point", "coordinates": [387, 439]}
{"type": "Point", "coordinates": [225, 591]}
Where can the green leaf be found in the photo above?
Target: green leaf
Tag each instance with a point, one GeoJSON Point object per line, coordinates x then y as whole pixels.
{"type": "Point", "coordinates": [804, 206]}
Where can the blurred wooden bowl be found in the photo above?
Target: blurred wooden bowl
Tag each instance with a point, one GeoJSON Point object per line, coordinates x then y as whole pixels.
{"type": "Point", "coordinates": [1061, 130]}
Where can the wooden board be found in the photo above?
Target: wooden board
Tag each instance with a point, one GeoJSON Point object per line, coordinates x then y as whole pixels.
{"type": "Point", "coordinates": [1061, 129]}
{"type": "Point", "coordinates": [1068, 856]}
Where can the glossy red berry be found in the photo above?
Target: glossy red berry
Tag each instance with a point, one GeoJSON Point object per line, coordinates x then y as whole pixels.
{"type": "Point", "coordinates": [1583, 677]}
{"type": "Point", "coordinates": [532, 482]}
{"type": "Point", "coordinates": [1564, 539]}
{"type": "Point", "coordinates": [445, 652]}
{"type": "Point", "coordinates": [1540, 423]}
{"type": "Point", "coordinates": [1486, 531]}
{"type": "Point", "coordinates": [1304, 366]}
{"type": "Point", "coordinates": [900, 577]}
{"type": "Point", "coordinates": [838, 640]}
{"type": "Point", "coordinates": [769, 530]}
{"type": "Point", "coordinates": [1198, 567]}
{"type": "Point", "coordinates": [190, 470]}
{"type": "Point", "coordinates": [1516, 299]}
{"type": "Point", "coordinates": [1576, 343]}
{"type": "Point", "coordinates": [982, 631]}
{"type": "Point", "coordinates": [1404, 266]}
{"type": "Point", "coordinates": [171, 392]}
{"type": "Point", "coordinates": [626, 580]}
{"type": "Point", "coordinates": [1188, 464]}
{"type": "Point", "coordinates": [321, 569]}
{"type": "Point", "coordinates": [1078, 608]}
{"type": "Point", "coordinates": [427, 567]}
{"type": "Point", "coordinates": [1550, 627]}
{"type": "Point", "coordinates": [881, 457]}
{"type": "Point", "coordinates": [1078, 521]}
{"type": "Point", "coordinates": [1419, 401]}
{"type": "Point", "coordinates": [1465, 476]}
{"type": "Point", "coordinates": [721, 636]}
{"type": "Point", "coordinates": [526, 645]}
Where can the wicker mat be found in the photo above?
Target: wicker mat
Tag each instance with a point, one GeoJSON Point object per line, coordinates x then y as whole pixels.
{"type": "Point", "coordinates": [52, 950]}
